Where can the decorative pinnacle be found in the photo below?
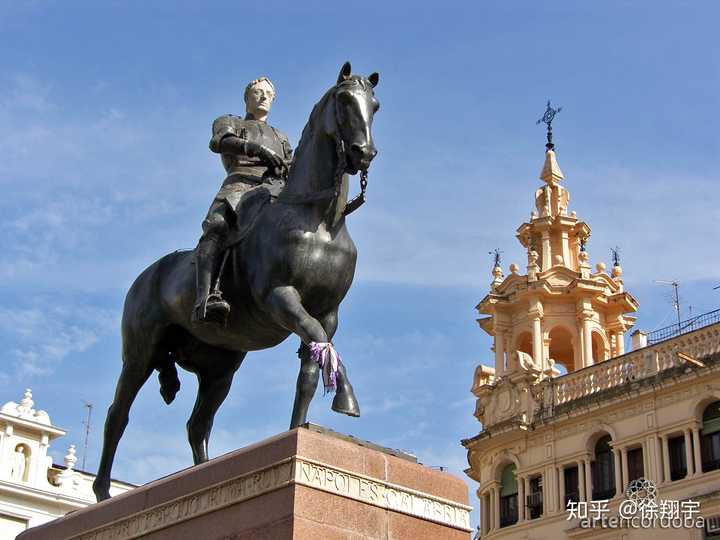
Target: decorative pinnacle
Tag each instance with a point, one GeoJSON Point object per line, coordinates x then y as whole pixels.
{"type": "Point", "coordinates": [615, 255]}
{"type": "Point", "coordinates": [547, 119]}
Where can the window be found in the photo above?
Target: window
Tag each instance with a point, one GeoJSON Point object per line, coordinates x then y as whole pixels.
{"type": "Point", "coordinates": [603, 471]}
{"type": "Point", "coordinates": [572, 489]}
{"type": "Point", "coordinates": [508, 497]}
{"type": "Point", "coordinates": [678, 466]}
{"type": "Point", "coordinates": [710, 438]}
{"type": "Point", "coordinates": [535, 498]}
{"type": "Point", "coordinates": [636, 465]}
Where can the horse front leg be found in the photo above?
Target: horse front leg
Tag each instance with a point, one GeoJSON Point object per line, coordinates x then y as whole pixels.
{"type": "Point", "coordinates": [286, 306]}
{"type": "Point", "coordinates": [344, 401]}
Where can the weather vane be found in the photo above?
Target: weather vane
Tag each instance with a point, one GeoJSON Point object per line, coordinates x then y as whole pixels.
{"type": "Point", "coordinates": [615, 255]}
{"type": "Point", "coordinates": [547, 119]}
{"type": "Point", "coordinates": [496, 255]}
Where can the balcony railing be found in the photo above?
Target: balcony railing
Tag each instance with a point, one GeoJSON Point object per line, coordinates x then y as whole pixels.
{"type": "Point", "coordinates": [630, 367]}
{"type": "Point", "coordinates": [694, 323]}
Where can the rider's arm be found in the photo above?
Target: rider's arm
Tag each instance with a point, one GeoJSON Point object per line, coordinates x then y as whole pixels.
{"type": "Point", "coordinates": [222, 129]}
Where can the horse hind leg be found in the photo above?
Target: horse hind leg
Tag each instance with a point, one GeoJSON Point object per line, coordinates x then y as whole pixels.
{"type": "Point", "coordinates": [214, 385]}
{"type": "Point", "coordinates": [135, 372]}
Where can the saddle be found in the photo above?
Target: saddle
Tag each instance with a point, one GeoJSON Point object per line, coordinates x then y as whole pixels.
{"type": "Point", "coordinates": [247, 209]}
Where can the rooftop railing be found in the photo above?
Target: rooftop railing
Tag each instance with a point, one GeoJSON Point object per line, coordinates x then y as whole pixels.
{"type": "Point", "coordinates": [683, 327]}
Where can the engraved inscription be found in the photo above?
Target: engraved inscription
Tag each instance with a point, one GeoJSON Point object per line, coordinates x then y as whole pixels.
{"type": "Point", "coordinates": [384, 495]}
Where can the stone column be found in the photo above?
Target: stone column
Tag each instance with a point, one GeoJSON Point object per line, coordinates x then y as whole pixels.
{"type": "Point", "coordinates": [581, 480]}
{"type": "Point", "coordinates": [688, 454]}
{"type": "Point", "coordinates": [561, 488]}
{"type": "Point", "coordinates": [666, 458]}
{"type": "Point", "coordinates": [646, 462]}
{"type": "Point", "coordinates": [620, 343]}
{"type": "Point", "coordinates": [696, 451]}
{"type": "Point", "coordinates": [546, 492]}
{"type": "Point", "coordinates": [484, 514]}
{"type": "Point", "coordinates": [521, 498]}
{"type": "Point", "coordinates": [625, 468]}
{"type": "Point", "coordinates": [546, 255]}
{"type": "Point", "coordinates": [538, 342]}
{"type": "Point", "coordinates": [587, 340]}
{"type": "Point", "coordinates": [588, 479]}
{"type": "Point", "coordinates": [658, 459]}
{"type": "Point", "coordinates": [496, 506]}
{"type": "Point", "coordinates": [566, 249]}
{"type": "Point", "coordinates": [499, 352]}
{"type": "Point", "coordinates": [618, 472]}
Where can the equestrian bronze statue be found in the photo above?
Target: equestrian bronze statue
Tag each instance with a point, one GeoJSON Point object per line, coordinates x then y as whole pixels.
{"type": "Point", "coordinates": [286, 265]}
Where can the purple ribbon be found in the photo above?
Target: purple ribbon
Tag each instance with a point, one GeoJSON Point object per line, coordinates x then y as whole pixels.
{"type": "Point", "coordinates": [329, 360]}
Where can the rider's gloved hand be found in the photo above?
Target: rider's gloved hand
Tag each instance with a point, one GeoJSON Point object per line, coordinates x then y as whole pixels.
{"type": "Point", "coordinates": [272, 159]}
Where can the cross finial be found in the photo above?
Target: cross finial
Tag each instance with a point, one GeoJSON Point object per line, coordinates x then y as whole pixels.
{"type": "Point", "coordinates": [615, 255]}
{"type": "Point", "coordinates": [496, 253]}
{"type": "Point", "coordinates": [547, 119]}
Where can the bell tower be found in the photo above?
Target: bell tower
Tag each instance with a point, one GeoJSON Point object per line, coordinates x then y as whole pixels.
{"type": "Point", "coordinates": [561, 312]}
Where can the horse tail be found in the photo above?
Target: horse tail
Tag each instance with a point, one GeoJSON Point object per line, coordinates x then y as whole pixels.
{"type": "Point", "coordinates": [169, 381]}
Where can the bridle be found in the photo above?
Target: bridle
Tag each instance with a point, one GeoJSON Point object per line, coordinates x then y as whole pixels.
{"type": "Point", "coordinates": [333, 192]}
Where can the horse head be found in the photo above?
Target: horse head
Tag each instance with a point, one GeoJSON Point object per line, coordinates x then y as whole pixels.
{"type": "Point", "coordinates": [350, 120]}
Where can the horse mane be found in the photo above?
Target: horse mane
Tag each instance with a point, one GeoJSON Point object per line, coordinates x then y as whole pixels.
{"type": "Point", "coordinates": [308, 130]}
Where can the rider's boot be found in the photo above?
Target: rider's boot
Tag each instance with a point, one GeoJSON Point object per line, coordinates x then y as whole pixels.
{"type": "Point", "coordinates": [209, 306]}
{"type": "Point", "coordinates": [345, 401]}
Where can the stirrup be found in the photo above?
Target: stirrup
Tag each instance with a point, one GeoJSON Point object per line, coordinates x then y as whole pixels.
{"type": "Point", "coordinates": [213, 310]}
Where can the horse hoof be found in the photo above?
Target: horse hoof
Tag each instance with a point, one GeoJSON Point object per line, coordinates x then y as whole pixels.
{"type": "Point", "coordinates": [345, 403]}
{"type": "Point", "coordinates": [101, 493]}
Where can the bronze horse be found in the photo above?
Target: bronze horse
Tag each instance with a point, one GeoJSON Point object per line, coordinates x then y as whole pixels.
{"type": "Point", "coordinates": [288, 275]}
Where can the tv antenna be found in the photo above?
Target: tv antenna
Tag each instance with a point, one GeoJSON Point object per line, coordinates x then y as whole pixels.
{"type": "Point", "coordinates": [676, 300]}
{"type": "Point", "coordinates": [86, 423]}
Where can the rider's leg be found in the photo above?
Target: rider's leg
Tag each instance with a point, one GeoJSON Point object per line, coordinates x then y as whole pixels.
{"type": "Point", "coordinates": [210, 307]}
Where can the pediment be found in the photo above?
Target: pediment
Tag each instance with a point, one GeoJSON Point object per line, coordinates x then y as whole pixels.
{"type": "Point", "coordinates": [558, 277]}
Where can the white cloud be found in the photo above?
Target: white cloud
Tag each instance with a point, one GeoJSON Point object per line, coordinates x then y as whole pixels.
{"type": "Point", "coordinates": [41, 336]}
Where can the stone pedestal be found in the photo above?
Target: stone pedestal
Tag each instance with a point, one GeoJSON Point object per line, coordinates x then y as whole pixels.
{"type": "Point", "coordinates": [302, 484]}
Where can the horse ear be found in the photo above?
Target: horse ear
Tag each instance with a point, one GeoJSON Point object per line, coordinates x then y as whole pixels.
{"type": "Point", "coordinates": [345, 72]}
{"type": "Point", "coordinates": [374, 79]}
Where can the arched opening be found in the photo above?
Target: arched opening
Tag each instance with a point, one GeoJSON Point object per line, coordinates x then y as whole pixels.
{"type": "Point", "coordinates": [523, 343]}
{"type": "Point", "coordinates": [561, 347]}
{"type": "Point", "coordinates": [508, 496]}
{"type": "Point", "coordinates": [603, 470]}
{"type": "Point", "coordinates": [20, 465]}
{"type": "Point", "coordinates": [599, 351]}
{"type": "Point", "coordinates": [710, 438]}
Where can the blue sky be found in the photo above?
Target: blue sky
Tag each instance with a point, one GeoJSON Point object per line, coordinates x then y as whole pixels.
{"type": "Point", "coordinates": [105, 113]}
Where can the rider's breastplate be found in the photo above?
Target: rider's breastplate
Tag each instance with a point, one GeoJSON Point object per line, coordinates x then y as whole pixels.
{"type": "Point", "coordinates": [251, 168]}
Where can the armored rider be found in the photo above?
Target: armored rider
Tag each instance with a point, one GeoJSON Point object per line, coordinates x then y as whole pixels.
{"type": "Point", "coordinates": [253, 154]}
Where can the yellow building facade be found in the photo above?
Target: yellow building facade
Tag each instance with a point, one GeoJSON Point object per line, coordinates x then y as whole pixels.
{"type": "Point", "coordinates": [569, 419]}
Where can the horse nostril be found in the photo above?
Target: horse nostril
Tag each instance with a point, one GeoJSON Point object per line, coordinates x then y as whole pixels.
{"type": "Point", "coordinates": [357, 148]}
